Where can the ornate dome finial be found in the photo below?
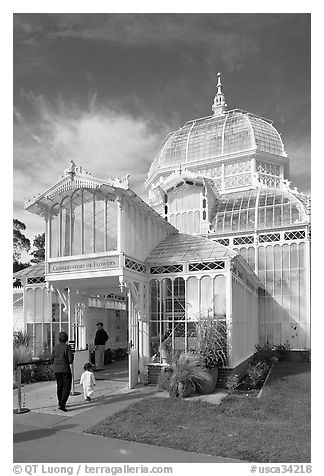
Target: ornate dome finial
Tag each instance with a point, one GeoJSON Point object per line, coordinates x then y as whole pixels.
{"type": "Point", "coordinates": [219, 105]}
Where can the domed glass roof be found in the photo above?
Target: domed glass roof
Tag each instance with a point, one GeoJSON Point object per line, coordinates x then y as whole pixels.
{"type": "Point", "coordinates": [258, 208]}
{"type": "Point", "coordinates": [218, 135]}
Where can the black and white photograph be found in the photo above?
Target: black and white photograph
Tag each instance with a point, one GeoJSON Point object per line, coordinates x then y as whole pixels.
{"type": "Point", "coordinates": [161, 242]}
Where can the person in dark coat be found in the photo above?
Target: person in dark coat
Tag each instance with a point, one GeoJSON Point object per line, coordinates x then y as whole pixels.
{"type": "Point", "coordinates": [101, 338]}
{"type": "Point", "coordinates": [62, 357]}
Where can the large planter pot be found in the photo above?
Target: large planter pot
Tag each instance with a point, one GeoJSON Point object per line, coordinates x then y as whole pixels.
{"type": "Point", "coordinates": [203, 387]}
{"type": "Point", "coordinates": [181, 389]}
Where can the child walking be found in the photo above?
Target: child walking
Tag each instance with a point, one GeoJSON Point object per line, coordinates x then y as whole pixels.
{"type": "Point", "coordinates": [88, 381]}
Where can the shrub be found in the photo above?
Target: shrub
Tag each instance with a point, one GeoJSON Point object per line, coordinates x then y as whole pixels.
{"type": "Point", "coordinates": [21, 353]}
{"type": "Point", "coordinates": [20, 338]}
{"type": "Point", "coordinates": [119, 354]}
{"type": "Point", "coordinates": [257, 372]}
{"type": "Point", "coordinates": [43, 372]}
{"type": "Point", "coordinates": [282, 351]}
{"type": "Point", "coordinates": [271, 353]}
{"type": "Point", "coordinates": [187, 369]}
{"type": "Point", "coordinates": [164, 378]}
{"type": "Point", "coordinates": [232, 382]}
{"type": "Point", "coordinates": [108, 356]}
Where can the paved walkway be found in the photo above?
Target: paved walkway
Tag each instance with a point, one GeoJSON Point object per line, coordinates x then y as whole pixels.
{"type": "Point", "coordinates": [46, 435]}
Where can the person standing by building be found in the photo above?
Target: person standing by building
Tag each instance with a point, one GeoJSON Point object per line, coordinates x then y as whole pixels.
{"type": "Point", "coordinates": [62, 358]}
{"type": "Point", "coordinates": [100, 341]}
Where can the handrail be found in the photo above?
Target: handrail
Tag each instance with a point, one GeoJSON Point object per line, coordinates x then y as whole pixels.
{"type": "Point", "coordinates": [35, 362]}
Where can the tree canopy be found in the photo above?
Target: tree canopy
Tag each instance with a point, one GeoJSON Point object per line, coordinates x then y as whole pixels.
{"type": "Point", "coordinates": [39, 252]}
{"type": "Point", "coordinates": [20, 241]}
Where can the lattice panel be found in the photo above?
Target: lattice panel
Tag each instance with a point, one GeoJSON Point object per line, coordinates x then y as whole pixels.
{"type": "Point", "coordinates": [218, 184]}
{"type": "Point", "coordinates": [269, 169]}
{"type": "Point", "coordinates": [295, 235]}
{"type": "Point", "coordinates": [269, 237]}
{"type": "Point", "coordinates": [212, 172]}
{"type": "Point", "coordinates": [269, 181]}
{"type": "Point", "coordinates": [243, 240]}
{"type": "Point", "coordinates": [237, 181]}
{"type": "Point", "coordinates": [174, 268]}
{"type": "Point", "coordinates": [36, 280]}
{"type": "Point", "coordinates": [130, 264]}
{"type": "Point", "coordinates": [207, 266]}
{"type": "Point", "coordinates": [236, 168]}
{"type": "Point", "coordinates": [223, 241]}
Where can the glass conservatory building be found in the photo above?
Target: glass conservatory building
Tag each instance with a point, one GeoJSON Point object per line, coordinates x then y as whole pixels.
{"type": "Point", "coordinates": [226, 177]}
{"type": "Point", "coordinates": [223, 235]}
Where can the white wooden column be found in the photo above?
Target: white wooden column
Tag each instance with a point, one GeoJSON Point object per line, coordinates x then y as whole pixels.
{"type": "Point", "coordinates": [229, 314]}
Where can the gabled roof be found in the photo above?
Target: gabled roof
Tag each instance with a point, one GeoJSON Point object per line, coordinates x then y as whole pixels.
{"type": "Point", "coordinates": [33, 271]}
{"type": "Point", "coordinates": [181, 248]}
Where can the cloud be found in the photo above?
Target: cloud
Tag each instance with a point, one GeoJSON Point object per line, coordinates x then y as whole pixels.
{"type": "Point", "coordinates": [298, 150]}
{"type": "Point", "coordinates": [230, 37]}
{"type": "Point", "coordinates": [107, 143]}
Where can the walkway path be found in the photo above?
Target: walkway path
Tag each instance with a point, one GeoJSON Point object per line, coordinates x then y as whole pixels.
{"type": "Point", "coordinates": [47, 435]}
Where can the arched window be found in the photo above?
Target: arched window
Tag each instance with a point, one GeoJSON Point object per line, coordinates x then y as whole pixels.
{"type": "Point", "coordinates": [76, 222]}
{"type": "Point", "coordinates": [220, 296]}
{"type": "Point", "coordinates": [100, 222]}
{"type": "Point", "coordinates": [66, 227]}
{"type": "Point", "coordinates": [88, 222]}
{"type": "Point", "coordinates": [84, 223]}
{"type": "Point", "coordinates": [192, 297]}
{"type": "Point", "coordinates": [206, 296]}
{"type": "Point", "coordinates": [55, 231]}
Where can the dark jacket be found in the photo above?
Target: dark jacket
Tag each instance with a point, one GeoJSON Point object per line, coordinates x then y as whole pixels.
{"type": "Point", "coordinates": [62, 356]}
{"type": "Point", "coordinates": [101, 337]}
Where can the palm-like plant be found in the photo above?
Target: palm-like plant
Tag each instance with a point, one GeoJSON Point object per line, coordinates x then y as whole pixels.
{"type": "Point", "coordinates": [187, 370]}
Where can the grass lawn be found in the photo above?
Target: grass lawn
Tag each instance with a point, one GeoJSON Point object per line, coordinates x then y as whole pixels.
{"type": "Point", "coordinates": [274, 428]}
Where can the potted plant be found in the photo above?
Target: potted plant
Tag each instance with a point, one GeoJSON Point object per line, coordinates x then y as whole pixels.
{"type": "Point", "coordinates": [22, 352]}
{"type": "Point", "coordinates": [210, 342]}
{"type": "Point", "coordinates": [187, 369]}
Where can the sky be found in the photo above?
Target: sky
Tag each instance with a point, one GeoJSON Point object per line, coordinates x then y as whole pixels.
{"type": "Point", "coordinates": [105, 89]}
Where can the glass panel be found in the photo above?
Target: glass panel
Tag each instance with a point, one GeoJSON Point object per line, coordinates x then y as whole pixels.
{"type": "Point", "coordinates": [88, 222]}
{"type": "Point", "coordinates": [100, 232]}
{"type": "Point", "coordinates": [166, 289]}
{"type": "Point", "coordinates": [220, 296]}
{"type": "Point", "coordinates": [76, 222]}
{"type": "Point", "coordinates": [184, 223]}
{"type": "Point", "coordinates": [155, 299]}
{"type": "Point", "coordinates": [251, 257]}
{"type": "Point", "coordinates": [196, 221]}
{"type": "Point", "coordinates": [285, 256]}
{"type": "Point", "coordinates": [277, 257]}
{"type": "Point", "coordinates": [192, 297]}
{"type": "Point", "coordinates": [243, 252]}
{"type": "Point", "coordinates": [190, 223]}
{"type": "Point", "coordinates": [206, 296]}
{"type": "Point", "coordinates": [65, 226]}
{"type": "Point", "coordinates": [293, 256]}
{"type": "Point", "coordinates": [301, 252]}
{"type": "Point", "coordinates": [55, 231]}
{"type": "Point", "coordinates": [179, 298]}
{"type": "Point", "coordinates": [112, 225]}
{"type": "Point", "coordinates": [269, 216]}
{"type": "Point", "coordinates": [269, 253]}
{"type": "Point", "coordinates": [261, 258]}
{"type": "Point", "coordinates": [235, 220]}
{"type": "Point", "coordinates": [155, 340]}
{"type": "Point", "coordinates": [277, 215]}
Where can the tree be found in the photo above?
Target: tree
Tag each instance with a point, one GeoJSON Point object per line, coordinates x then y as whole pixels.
{"type": "Point", "coordinates": [20, 242]}
{"type": "Point", "coordinates": [39, 252]}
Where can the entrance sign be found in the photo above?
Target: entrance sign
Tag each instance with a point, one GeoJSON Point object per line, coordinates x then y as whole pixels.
{"type": "Point", "coordinates": [84, 265]}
